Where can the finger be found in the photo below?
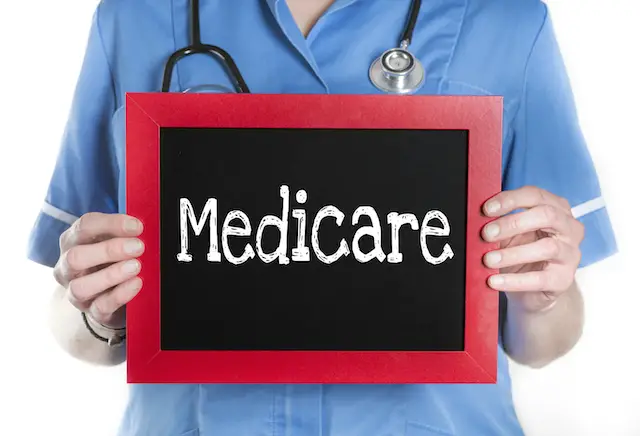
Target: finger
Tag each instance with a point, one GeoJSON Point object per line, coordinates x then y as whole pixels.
{"type": "Point", "coordinates": [543, 217]}
{"type": "Point", "coordinates": [543, 250]}
{"type": "Point", "coordinates": [548, 280]}
{"type": "Point", "coordinates": [95, 226]}
{"type": "Point", "coordinates": [523, 198]}
{"type": "Point", "coordinates": [83, 257]}
{"type": "Point", "coordinates": [83, 290]}
{"type": "Point", "coordinates": [104, 306]}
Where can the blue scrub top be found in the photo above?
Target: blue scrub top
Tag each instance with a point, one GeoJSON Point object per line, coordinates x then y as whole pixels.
{"type": "Point", "coordinates": [468, 47]}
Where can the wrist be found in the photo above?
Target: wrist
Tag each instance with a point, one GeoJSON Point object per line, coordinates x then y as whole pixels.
{"type": "Point", "coordinates": [529, 304]}
{"type": "Point", "coordinates": [112, 336]}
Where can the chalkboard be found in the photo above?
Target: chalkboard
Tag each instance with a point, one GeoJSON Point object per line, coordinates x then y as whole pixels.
{"type": "Point", "coordinates": [328, 238]}
{"type": "Point", "coordinates": [368, 298]}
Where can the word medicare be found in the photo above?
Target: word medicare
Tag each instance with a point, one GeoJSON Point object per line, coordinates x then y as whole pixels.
{"type": "Point", "coordinates": [301, 252]}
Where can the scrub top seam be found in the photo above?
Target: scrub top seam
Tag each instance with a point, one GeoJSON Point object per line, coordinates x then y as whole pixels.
{"type": "Point", "coordinates": [469, 85]}
{"type": "Point", "coordinates": [529, 55]}
{"type": "Point", "coordinates": [454, 49]}
{"type": "Point", "coordinates": [115, 105]}
{"type": "Point", "coordinates": [114, 85]}
{"type": "Point", "coordinates": [523, 92]}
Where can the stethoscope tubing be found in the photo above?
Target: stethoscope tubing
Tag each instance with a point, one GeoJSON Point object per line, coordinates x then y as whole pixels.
{"type": "Point", "coordinates": [212, 50]}
{"type": "Point", "coordinates": [381, 81]}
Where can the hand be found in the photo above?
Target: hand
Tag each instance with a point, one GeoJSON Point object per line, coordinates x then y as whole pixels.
{"type": "Point", "coordinates": [98, 265]}
{"type": "Point", "coordinates": [539, 247]}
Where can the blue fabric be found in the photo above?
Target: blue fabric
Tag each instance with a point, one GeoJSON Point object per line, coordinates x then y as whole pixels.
{"type": "Point", "coordinates": [468, 47]}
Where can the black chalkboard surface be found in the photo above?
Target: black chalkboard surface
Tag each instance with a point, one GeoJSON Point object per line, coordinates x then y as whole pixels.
{"type": "Point", "coordinates": [336, 244]}
{"type": "Point", "coordinates": [308, 304]}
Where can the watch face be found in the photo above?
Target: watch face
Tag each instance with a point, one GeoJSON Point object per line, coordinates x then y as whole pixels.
{"type": "Point", "coordinates": [398, 61]}
{"type": "Point", "coordinates": [116, 341]}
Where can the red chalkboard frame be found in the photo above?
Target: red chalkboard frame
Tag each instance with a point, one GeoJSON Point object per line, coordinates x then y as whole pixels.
{"type": "Point", "coordinates": [146, 113]}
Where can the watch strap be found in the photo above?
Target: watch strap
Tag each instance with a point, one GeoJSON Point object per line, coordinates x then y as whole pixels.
{"type": "Point", "coordinates": [113, 337]}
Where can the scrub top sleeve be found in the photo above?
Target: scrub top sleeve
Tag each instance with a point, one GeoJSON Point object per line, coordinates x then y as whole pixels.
{"type": "Point", "coordinates": [548, 149]}
{"type": "Point", "coordinates": [85, 175]}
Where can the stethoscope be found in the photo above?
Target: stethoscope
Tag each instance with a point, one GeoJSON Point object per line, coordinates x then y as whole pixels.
{"type": "Point", "coordinates": [396, 71]}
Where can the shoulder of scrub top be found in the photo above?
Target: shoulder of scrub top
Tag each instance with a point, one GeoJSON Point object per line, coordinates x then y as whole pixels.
{"type": "Point", "coordinates": [494, 43]}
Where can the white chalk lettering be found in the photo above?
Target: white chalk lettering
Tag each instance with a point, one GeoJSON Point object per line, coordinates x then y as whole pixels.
{"type": "Point", "coordinates": [229, 230]}
{"type": "Point", "coordinates": [301, 252]}
{"type": "Point", "coordinates": [186, 211]}
{"type": "Point", "coordinates": [328, 211]}
{"type": "Point", "coordinates": [396, 221]}
{"type": "Point", "coordinates": [373, 230]}
{"type": "Point", "coordinates": [283, 226]}
{"type": "Point", "coordinates": [427, 230]}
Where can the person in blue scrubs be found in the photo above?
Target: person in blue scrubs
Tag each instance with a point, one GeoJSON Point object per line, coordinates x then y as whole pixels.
{"type": "Point", "coordinates": [468, 47]}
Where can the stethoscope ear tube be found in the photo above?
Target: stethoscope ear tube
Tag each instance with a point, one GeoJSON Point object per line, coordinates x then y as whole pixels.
{"type": "Point", "coordinates": [196, 47]}
{"type": "Point", "coordinates": [216, 52]}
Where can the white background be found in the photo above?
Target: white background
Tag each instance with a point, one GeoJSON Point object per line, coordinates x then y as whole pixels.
{"type": "Point", "coordinates": [594, 391]}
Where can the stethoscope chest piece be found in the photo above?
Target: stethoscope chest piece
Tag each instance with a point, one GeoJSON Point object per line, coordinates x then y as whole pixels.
{"type": "Point", "coordinates": [397, 71]}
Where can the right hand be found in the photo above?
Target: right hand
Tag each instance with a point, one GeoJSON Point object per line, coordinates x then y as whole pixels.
{"type": "Point", "coordinates": [98, 265]}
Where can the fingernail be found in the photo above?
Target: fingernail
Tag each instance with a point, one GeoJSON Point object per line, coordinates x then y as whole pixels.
{"type": "Point", "coordinates": [495, 281]}
{"type": "Point", "coordinates": [491, 231]}
{"type": "Point", "coordinates": [132, 225]}
{"type": "Point", "coordinates": [492, 207]}
{"type": "Point", "coordinates": [492, 258]}
{"type": "Point", "coordinates": [133, 246]}
{"type": "Point", "coordinates": [131, 266]}
{"type": "Point", "coordinates": [137, 284]}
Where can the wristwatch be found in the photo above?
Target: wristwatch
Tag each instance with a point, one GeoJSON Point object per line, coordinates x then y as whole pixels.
{"type": "Point", "coordinates": [113, 337]}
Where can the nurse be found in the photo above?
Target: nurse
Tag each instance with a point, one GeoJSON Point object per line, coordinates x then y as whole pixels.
{"type": "Point", "coordinates": [478, 47]}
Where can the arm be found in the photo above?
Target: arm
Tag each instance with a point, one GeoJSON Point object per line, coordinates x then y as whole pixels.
{"type": "Point", "coordinates": [536, 338]}
{"type": "Point", "coordinates": [538, 257]}
{"type": "Point", "coordinates": [551, 218]}
{"type": "Point", "coordinates": [84, 180]}
{"type": "Point", "coordinates": [98, 275]}
{"type": "Point", "coordinates": [69, 331]}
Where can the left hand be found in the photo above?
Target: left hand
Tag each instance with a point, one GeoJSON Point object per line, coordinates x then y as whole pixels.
{"type": "Point", "coordinates": [539, 247]}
